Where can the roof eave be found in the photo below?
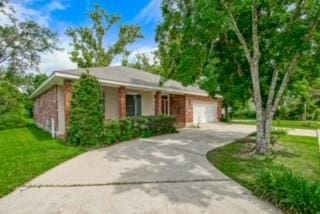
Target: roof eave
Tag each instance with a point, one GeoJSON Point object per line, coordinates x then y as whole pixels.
{"type": "Point", "coordinates": [57, 74]}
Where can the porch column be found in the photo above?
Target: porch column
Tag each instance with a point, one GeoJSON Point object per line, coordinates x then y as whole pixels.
{"type": "Point", "coordinates": [157, 103]}
{"type": "Point", "coordinates": [122, 102]}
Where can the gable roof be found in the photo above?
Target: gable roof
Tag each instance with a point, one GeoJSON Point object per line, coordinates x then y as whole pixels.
{"type": "Point", "coordinates": [125, 76]}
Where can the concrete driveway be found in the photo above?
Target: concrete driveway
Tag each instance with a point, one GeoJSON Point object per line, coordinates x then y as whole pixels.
{"type": "Point", "coordinates": [165, 174]}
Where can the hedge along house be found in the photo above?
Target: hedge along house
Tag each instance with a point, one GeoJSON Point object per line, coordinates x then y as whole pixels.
{"type": "Point", "coordinates": [127, 92]}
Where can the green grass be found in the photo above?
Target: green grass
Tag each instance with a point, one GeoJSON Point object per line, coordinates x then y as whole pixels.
{"type": "Point", "coordinates": [298, 153]}
{"type": "Point", "coordinates": [28, 152]}
{"type": "Point", "coordinates": [295, 124]}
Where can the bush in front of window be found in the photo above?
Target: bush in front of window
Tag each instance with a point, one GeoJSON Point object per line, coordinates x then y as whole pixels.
{"type": "Point", "coordinates": [134, 127]}
{"type": "Point", "coordinates": [86, 116]}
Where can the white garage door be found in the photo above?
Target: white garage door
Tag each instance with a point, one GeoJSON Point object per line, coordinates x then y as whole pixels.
{"type": "Point", "coordinates": [204, 112]}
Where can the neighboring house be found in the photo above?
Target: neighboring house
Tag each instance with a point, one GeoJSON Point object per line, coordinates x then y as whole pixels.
{"type": "Point", "coordinates": [127, 92]}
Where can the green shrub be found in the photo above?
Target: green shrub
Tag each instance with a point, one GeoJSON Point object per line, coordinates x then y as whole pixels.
{"type": "Point", "coordinates": [87, 115]}
{"type": "Point", "coordinates": [288, 191]}
{"type": "Point", "coordinates": [11, 121]}
{"type": "Point", "coordinates": [133, 127]}
{"type": "Point", "coordinates": [11, 106]}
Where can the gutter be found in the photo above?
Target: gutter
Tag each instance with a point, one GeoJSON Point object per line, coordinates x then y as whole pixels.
{"type": "Point", "coordinates": [110, 82]}
{"type": "Point", "coordinates": [42, 85]}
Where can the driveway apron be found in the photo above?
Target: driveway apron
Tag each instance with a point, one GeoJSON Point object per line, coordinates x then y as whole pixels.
{"type": "Point", "coordinates": [164, 174]}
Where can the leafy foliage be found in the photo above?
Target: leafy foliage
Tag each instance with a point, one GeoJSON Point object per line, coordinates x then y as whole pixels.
{"type": "Point", "coordinates": [28, 82]}
{"type": "Point", "coordinates": [143, 62]}
{"type": "Point", "coordinates": [302, 97]}
{"type": "Point", "coordinates": [133, 127]}
{"type": "Point", "coordinates": [22, 42]}
{"type": "Point", "coordinates": [289, 173]}
{"type": "Point", "coordinates": [88, 42]}
{"type": "Point", "coordinates": [241, 49]}
{"type": "Point", "coordinates": [288, 191]}
{"type": "Point", "coordinates": [86, 116]}
{"type": "Point", "coordinates": [32, 82]}
{"type": "Point", "coordinates": [11, 106]}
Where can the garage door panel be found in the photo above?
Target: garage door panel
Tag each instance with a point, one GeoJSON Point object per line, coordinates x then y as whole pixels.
{"type": "Point", "coordinates": [204, 112]}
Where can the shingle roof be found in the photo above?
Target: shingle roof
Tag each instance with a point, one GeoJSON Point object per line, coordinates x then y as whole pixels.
{"type": "Point", "coordinates": [132, 76]}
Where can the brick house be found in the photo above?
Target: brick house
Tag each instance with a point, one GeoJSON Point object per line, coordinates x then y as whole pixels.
{"type": "Point", "coordinates": [127, 92]}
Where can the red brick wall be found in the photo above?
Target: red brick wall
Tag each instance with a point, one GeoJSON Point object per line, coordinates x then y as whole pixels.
{"type": "Point", "coordinates": [122, 102]}
{"type": "Point", "coordinates": [46, 107]}
{"type": "Point", "coordinates": [219, 108]}
{"type": "Point", "coordinates": [178, 108]}
{"type": "Point", "coordinates": [181, 106]}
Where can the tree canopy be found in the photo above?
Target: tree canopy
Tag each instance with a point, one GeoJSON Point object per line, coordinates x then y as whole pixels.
{"type": "Point", "coordinates": [23, 42]}
{"type": "Point", "coordinates": [143, 61]}
{"type": "Point", "coordinates": [88, 43]}
{"type": "Point", "coordinates": [258, 47]}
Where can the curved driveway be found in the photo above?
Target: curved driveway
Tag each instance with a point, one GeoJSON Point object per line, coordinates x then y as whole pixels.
{"type": "Point", "coordinates": [165, 174]}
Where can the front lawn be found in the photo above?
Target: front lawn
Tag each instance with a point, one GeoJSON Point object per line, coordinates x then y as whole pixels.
{"type": "Point", "coordinates": [294, 124]}
{"type": "Point", "coordinates": [298, 154]}
{"type": "Point", "coordinates": [28, 152]}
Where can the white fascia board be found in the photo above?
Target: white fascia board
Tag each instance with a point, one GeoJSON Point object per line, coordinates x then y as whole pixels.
{"type": "Point", "coordinates": [110, 83]}
{"type": "Point", "coordinates": [116, 83]}
{"type": "Point", "coordinates": [35, 93]}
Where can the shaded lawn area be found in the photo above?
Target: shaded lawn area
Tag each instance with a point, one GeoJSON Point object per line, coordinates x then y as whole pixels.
{"type": "Point", "coordinates": [298, 153]}
{"type": "Point", "coordinates": [28, 152]}
{"type": "Point", "coordinates": [294, 124]}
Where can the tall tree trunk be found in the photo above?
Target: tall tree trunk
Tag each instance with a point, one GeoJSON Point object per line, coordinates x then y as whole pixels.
{"type": "Point", "coordinates": [264, 129]}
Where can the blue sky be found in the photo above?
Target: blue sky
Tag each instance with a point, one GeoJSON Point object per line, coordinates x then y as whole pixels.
{"type": "Point", "coordinates": [58, 15]}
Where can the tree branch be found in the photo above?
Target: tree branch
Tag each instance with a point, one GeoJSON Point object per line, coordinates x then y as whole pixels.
{"type": "Point", "coordinates": [285, 81]}
{"type": "Point", "coordinates": [272, 89]}
{"type": "Point", "coordinates": [255, 37]}
{"type": "Point", "coordinates": [238, 32]}
{"type": "Point", "coordinates": [292, 68]}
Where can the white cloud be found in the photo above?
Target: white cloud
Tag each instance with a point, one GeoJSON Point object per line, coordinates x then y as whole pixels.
{"type": "Point", "coordinates": [23, 11]}
{"type": "Point", "coordinates": [148, 50]}
{"type": "Point", "coordinates": [55, 5]}
{"type": "Point", "coordinates": [50, 61]}
{"type": "Point", "coordinates": [58, 60]}
{"type": "Point", "coordinates": [150, 14]}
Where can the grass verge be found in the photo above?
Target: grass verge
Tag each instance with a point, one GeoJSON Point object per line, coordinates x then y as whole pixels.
{"type": "Point", "coordinates": [297, 180]}
{"type": "Point", "coordinates": [294, 124]}
{"type": "Point", "coordinates": [28, 152]}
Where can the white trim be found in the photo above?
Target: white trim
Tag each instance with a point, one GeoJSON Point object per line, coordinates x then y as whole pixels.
{"type": "Point", "coordinates": [167, 103]}
{"type": "Point", "coordinates": [61, 111]}
{"type": "Point", "coordinates": [42, 85]}
{"type": "Point", "coordinates": [115, 83]}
